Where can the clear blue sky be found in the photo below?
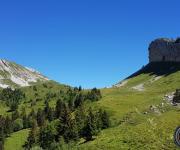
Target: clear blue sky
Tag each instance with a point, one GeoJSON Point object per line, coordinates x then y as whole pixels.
{"type": "Point", "coordinates": [85, 42]}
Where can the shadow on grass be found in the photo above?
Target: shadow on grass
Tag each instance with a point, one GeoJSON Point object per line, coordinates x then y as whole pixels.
{"type": "Point", "coordinates": [86, 141]}
{"type": "Point", "coordinates": [158, 69]}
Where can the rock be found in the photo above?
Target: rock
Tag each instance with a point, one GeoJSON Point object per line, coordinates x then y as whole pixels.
{"type": "Point", "coordinates": [145, 113]}
{"type": "Point", "coordinates": [164, 49]}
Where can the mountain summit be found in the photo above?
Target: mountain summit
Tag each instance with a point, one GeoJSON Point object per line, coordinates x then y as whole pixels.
{"type": "Point", "coordinates": [14, 75]}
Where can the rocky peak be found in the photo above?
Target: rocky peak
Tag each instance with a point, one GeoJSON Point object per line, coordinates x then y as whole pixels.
{"type": "Point", "coordinates": [164, 49]}
{"type": "Point", "coordinates": [14, 75]}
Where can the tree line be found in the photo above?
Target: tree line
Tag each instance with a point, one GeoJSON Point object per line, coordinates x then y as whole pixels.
{"type": "Point", "coordinates": [69, 121]}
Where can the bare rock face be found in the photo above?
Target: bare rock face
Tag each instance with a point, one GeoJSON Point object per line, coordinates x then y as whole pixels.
{"type": "Point", "coordinates": [14, 75]}
{"type": "Point", "coordinates": [164, 49]}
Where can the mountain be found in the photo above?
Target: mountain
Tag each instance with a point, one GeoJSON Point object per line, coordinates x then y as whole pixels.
{"type": "Point", "coordinates": [14, 75]}
{"type": "Point", "coordinates": [155, 70]}
{"type": "Point", "coordinates": [141, 108]}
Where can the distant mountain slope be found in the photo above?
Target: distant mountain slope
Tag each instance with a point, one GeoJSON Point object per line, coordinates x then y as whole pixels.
{"type": "Point", "coordinates": [155, 70]}
{"type": "Point", "coordinates": [14, 75]}
{"type": "Point", "coordinates": [142, 114]}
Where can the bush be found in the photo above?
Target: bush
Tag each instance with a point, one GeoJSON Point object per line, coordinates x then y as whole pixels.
{"type": "Point", "coordinates": [18, 124]}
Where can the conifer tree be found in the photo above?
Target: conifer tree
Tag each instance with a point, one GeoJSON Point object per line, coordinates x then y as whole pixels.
{"type": "Point", "coordinates": [31, 140]}
{"type": "Point", "coordinates": [47, 136]}
{"type": "Point", "coordinates": [60, 106]}
{"type": "Point", "coordinates": [79, 100]}
{"type": "Point", "coordinates": [90, 128]}
{"type": "Point", "coordinates": [2, 134]}
{"type": "Point", "coordinates": [40, 117]}
{"type": "Point", "coordinates": [67, 127]}
{"type": "Point", "coordinates": [8, 125]}
{"type": "Point", "coordinates": [105, 120]}
{"type": "Point", "coordinates": [80, 117]}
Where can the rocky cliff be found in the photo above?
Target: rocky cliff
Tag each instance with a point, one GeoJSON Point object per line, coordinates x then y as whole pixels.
{"type": "Point", "coordinates": [14, 75]}
{"type": "Point", "coordinates": [164, 49]}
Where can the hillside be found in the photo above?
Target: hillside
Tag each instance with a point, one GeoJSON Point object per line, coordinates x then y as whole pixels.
{"type": "Point", "coordinates": [141, 116]}
{"type": "Point", "coordinates": [14, 75]}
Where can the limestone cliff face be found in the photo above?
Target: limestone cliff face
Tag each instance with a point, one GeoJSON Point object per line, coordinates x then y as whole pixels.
{"type": "Point", "coordinates": [164, 50]}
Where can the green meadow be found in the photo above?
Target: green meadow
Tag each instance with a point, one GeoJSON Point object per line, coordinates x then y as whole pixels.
{"type": "Point", "coordinates": [134, 125]}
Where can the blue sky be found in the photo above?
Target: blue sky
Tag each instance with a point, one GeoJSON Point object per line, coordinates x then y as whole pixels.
{"type": "Point", "coordinates": [93, 43]}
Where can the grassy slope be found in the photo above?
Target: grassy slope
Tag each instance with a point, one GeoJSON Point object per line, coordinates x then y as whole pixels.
{"type": "Point", "coordinates": [16, 140]}
{"type": "Point", "coordinates": [51, 87]}
{"type": "Point", "coordinates": [131, 127]}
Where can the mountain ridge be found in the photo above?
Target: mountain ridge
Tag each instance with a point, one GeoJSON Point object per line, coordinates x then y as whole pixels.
{"type": "Point", "coordinates": [15, 75]}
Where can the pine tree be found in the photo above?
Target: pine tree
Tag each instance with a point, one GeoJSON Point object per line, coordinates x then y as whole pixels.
{"type": "Point", "coordinates": [78, 100]}
{"type": "Point", "coordinates": [2, 134]}
{"type": "Point", "coordinates": [15, 115]}
{"type": "Point", "coordinates": [50, 115]}
{"type": "Point", "coordinates": [26, 123]}
{"type": "Point", "coordinates": [47, 136]}
{"type": "Point", "coordinates": [90, 128]}
{"type": "Point", "coordinates": [31, 140]}
{"type": "Point", "coordinates": [8, 125]}
{"type": "Point", "coordinates": [80, 88]}
{"type": "Point", "coordinates": [67, 127]}
{"type": "Point", "coordinates": [40, 117]}
{"type": "Point", "coordinates": [80, 117]}
{"type": "Point", "coordinates": [60, 106]}
{"type": "Point", "coordinates": [105, 120]}
{"type": "Point", "coordinates": [46, 108]}
{"type": "Point", "coordinates": [71, 104]}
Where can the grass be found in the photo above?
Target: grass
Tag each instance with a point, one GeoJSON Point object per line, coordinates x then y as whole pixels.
{"type": "Point", "coordinates": [134, 125]}
{"type": "Point", "coordinates": [131, 127]}
{"type": "Point", "coordinates": [16, 140]}
{"type": "Point", "coordinates": [38, 94]}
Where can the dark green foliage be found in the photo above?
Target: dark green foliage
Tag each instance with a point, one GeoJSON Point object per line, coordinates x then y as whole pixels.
{"type": "Point", "coordinates": [46, 108]}
{"type": "Point", "coordinates": [31, 140]}
{"type": "Point", "coordinates": [50, 95]}
{"type": "Point", "coordinates": [12, 97]}
{"type": "Point", "coordinates": [49, 112]}
{"type": "Point", "coordinates": [91, 128]}
{"type": "Point", "coordinates": [8, 125]}
{"type": "Point", "coordinates": [26, 122]}
{"type": "Point", "coordinates": [94, 94]}
{"type": "Point", "coordinates": [17, 124]}
{"type": "Point", "coordinates": [15, 115]}
{"type": "Point", "coordinates": [2, 134]}
{"type": "Point", "coordinates": [80, 117]}
{"type": "Point", "coordinates": [69, 120]}
{"type": "Point", "coordinates": [40, 117]}
{"type": "Point", "coordinates": [80, 88]}
{"type": "Point", "coordinates": [78, 100]}
{"type": "Point", "coordinates": [67, 127]}
{"type": "Point", "coordinates": [34, 88]}
{"type": "Point", "coordinates": [45, 85]}
{"type": "Point", "coordinates": [177, 96]}
{"type": "Point", "coordinates": [103, 119]}
{"type": "Point", "coordinates": [71, 104]}
{"type": "Point", "coordinates": [47, 136]}
{"type": "Point", "coordinates": [60, 106]}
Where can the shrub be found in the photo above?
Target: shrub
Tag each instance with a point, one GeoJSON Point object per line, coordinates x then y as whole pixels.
{"type": "Point", "coordinates": [18, 124]}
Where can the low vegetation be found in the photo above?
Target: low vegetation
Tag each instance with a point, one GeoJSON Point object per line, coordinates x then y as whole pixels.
{"type": "Point", "coordinates": [68, 120]}
{"type": "Point", "coordinates": [53, 116]}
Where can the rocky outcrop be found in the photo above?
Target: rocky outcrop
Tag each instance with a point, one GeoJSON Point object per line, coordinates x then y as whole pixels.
{"type": "Point", "coordinates": [164, 49]}
{"type": "Point", "coordinates": [14, 75]}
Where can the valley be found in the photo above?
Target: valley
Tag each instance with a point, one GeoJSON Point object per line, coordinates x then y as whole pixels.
{"type": "Point", "coordinates": [140, 119]}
